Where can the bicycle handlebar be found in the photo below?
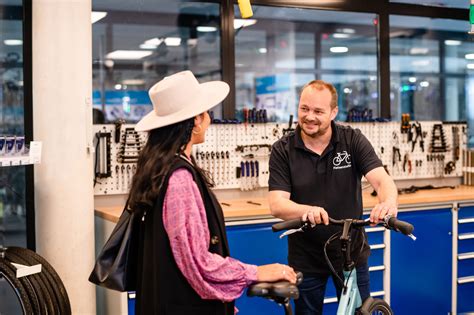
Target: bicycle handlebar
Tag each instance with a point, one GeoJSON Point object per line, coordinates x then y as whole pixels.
{"type": "Point", "coordinates": [389, 222]}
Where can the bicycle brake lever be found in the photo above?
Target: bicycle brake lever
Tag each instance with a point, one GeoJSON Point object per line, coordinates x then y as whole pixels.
{"type": "Point", "coordinates": [289, 232]}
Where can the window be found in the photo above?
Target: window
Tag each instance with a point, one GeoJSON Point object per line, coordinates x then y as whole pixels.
{"type": "Point", "coordinates": [281, 49]}
{"type": "Point", "coordinates": [463, 4]}
{"type": "Point", "coordinates": [137, 43]}
{"type": "Point", "coordinates": [430, 68]}
{"type": "Point", "coordinates": [12, 179]}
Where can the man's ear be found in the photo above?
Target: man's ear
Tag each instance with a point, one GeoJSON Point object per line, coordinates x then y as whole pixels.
{"type": "Point", "coordinates": [334, 112]}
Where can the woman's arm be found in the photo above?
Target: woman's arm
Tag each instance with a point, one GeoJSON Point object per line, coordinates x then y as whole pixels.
{"type": "Point", "coordinates": [210, 275]}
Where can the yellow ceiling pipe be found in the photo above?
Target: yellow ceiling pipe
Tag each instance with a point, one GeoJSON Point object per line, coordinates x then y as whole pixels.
{"type": "Point", "coordinates": [246, 9]}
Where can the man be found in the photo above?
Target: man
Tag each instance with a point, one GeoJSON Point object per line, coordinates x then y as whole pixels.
{"type": "Point", "coordinates": [316, 172]}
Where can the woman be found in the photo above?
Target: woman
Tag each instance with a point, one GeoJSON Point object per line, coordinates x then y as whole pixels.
{"type": "Point", "coordinates": [184, 265]}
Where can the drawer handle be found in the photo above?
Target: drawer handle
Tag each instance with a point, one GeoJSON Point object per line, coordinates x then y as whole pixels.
{"type": "Point", "coordinates": [466, 236]}
{"type": "Point", "coordinates": [466, 256]}
{"type": "Point", "coordinates": [465, 280]}
{"type": "Point", "coordinates": [375, 229]}
{"type": "Point", "coordinates": [376, 268]}
{"type": "Point", "coordinates": [377, 246]}
{"type": "Point", "coordinates": [467, 220]}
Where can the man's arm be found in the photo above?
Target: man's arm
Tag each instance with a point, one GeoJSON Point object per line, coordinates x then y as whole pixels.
{"type": "Point", "coordinates": [282, 207]}
{"type": "Point", "coordinates": [387, 194]}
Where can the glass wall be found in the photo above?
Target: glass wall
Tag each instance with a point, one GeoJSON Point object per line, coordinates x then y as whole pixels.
{"type": "Point", "coordinates": [281, 49]}
{"type": "Point", "coordinates": [12, 179]}
{"type": "Point", "coordinates": [137, 43]}
{"type": "Point", "coordinates": [430, 66]}
{"type": "Point", "coordinates": [464, 4]}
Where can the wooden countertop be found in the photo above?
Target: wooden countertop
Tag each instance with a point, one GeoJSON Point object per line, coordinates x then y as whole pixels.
{"type": "Point", "coordinates": [259, 206]}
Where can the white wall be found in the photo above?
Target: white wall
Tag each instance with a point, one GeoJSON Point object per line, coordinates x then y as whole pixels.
{"type": "Point", "coordinates": [62, 119]}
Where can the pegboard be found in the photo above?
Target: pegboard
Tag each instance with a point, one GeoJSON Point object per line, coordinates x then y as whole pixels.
{"type": "Point", "coordinates": [406, 159]}
{"type": "Point", "coordinates": [233, 152]}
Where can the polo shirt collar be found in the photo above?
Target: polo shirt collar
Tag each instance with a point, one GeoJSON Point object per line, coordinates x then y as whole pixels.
{"type": "Point", "coordinates": [299, 141]}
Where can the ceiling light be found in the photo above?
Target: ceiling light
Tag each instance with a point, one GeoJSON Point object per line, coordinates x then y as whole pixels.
{"type": "Point", "coordinates": [128, 54]}
{"type": "Point", "coordinates": [341, 35]}
{"type": "Point", "coordinates": [206, 29]}
{"type": "Point", "coordinates": [173, 41]}
{"type": "Point", "coordinates": [419, 51]}
{"type": "Point", "coordinates": [118, 86]}
{"type": "Point", "coordinates": [345, 30]}
{"type": "Point", "coordinates": [154, 41]}
{"type": "Point", "coordinates": [412, 79]}
{"type": "Point", "coordinates": [96, 16]}
{"type": "Point", "coordinates": [339, 50]}
{"type": "Point", "coordinates": [424, 84]}
{"type": "Point", "coordinates": [148, 46]}
{"type": "Point", "coordinates": [420, 63]}
{"type": "Point", "coordinates": [133, 81]}
{"type": "Point", "coordinates": [262, 50]}
{"type": "Point", "coordinates": [469, 56]}
{"type": "Point", "coordinates": [451, 42]}
{"type": "Point", "coordinates": [470, 66]}
{"type": "Point", "coordinates": [13, 42]}
{"type": "Point", "coordinates": [238, 23]}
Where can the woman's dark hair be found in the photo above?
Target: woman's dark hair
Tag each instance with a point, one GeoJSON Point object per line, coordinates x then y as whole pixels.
{"type": "Point", "coordinates": [155, 161]}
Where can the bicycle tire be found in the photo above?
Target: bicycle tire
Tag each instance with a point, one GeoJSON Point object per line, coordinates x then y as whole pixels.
{"type": "Point", "coordinates": [56, 282]}
{"type": "Point", "coordinates": [8, 273]}
{"type": "Point", "coordinates": [45, 294]}
{"type": "Point", "coordinates": [376, 306]}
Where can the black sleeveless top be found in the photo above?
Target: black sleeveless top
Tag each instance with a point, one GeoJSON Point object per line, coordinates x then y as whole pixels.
{"type": "Point", "coordinates": [161, 287]}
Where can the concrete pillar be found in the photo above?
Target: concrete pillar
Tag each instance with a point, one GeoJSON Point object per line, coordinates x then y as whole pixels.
{"type": "Point", "coordinates": [62, 118]}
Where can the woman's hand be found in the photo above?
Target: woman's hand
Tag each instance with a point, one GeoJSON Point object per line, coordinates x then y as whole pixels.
{"type": "Point", "coordinates": [275, 272]}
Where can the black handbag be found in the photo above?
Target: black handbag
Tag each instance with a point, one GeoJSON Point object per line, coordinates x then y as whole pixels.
{"type": "Point", "coordinates": [116, 265]}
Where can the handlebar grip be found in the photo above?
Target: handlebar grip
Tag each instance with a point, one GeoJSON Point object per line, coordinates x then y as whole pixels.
{"type": "Point", "coordinates": [287, 225]}
{"type": "Point", "coordinates": [402, 226]}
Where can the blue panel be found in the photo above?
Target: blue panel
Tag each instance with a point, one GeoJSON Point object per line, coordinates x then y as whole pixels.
{"type": "Point", "coordinates": [376, 281]}
{"type": "Point", "coordinates": [257, 244]}
{"type": "Point", "coordinates": [330, 308]}
{"type": "Point", "coordinates": [421, 270]}
{"type": "Point", "coordinates": [131, 305]}
{"type": "Point", "coordinates": [466, 212]}
{"type": "Point", "coordinates": [465, 246]}
{"type": "Point", "coordinates": [466, 228]}
{"type": "Point", "coordinates": [376, 257]}
{"type": "Point", "coordinates": [330, 289]}
{"type": "Point", "coordinates": [375, 238]}
{"type": "Point", "coordinates": [466, 298]}
{"type": "Point", "coordinates": [466, 268]}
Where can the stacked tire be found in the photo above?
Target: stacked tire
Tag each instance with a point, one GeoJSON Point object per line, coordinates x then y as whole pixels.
{"type": "Point", "coordinates": [40, 293]}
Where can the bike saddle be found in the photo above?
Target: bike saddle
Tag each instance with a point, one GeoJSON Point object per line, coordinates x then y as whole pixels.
{"type": "Point", "coordinates": [275, 290]}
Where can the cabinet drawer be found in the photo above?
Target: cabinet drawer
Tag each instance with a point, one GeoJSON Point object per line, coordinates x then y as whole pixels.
{"type": "Point", "coordinates": [375, 235]}
{"type": "Point", "coordinates": [465, 245]}
{"type": "Point", "coordinates": [376, 257]}
{"type": "Point", "coordinates": [465, 298]}
{"type": "Point", "coordinates": [466, 268]}
{"type": "Point", "coordinates": [466, 225]}
{"type": "Point", "coordinates": [376, 281]}
{"type": "Point", "coordinates": [466, 212]}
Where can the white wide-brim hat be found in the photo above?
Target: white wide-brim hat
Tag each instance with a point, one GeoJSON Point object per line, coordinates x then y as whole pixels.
{"type": "Point", "coordinates": [180, 97]}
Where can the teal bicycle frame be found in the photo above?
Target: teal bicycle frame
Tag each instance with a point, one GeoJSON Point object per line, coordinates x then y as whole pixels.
{"type": "Point", "coordinates": [350, 297]}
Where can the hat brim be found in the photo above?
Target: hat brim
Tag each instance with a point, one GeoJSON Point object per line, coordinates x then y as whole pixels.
{"type": "Point", "coordinates": [210, 94]}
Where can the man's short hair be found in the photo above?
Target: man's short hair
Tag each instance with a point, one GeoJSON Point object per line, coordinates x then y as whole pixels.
{"type": "Point", "coordinates": [321, 85]}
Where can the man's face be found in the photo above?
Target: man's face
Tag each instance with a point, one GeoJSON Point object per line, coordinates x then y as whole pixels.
{"type": "Point", "coordinates": [314, 111]}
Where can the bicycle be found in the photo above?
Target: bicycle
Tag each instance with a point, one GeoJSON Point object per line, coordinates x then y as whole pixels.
{"type": "Point", "coordinates": [350, 301]}
{"type": "Point", "coordinates": [341, 157]}
{"type": "Point", "coordinates": [280, 292]}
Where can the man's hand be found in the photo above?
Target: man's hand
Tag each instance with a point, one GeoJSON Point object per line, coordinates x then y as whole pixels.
{"type": "Point", "coordinates": [382, 209]}
{"type": "Point", "coordinates": [316, 215]}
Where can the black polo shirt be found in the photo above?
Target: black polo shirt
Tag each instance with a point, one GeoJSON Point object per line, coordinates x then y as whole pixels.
{"type": "Point", "coordinates": [332, 181]}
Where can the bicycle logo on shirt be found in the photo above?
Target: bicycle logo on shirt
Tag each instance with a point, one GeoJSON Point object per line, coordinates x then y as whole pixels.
{"type": "Point", "coordinates": [341, 160]}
